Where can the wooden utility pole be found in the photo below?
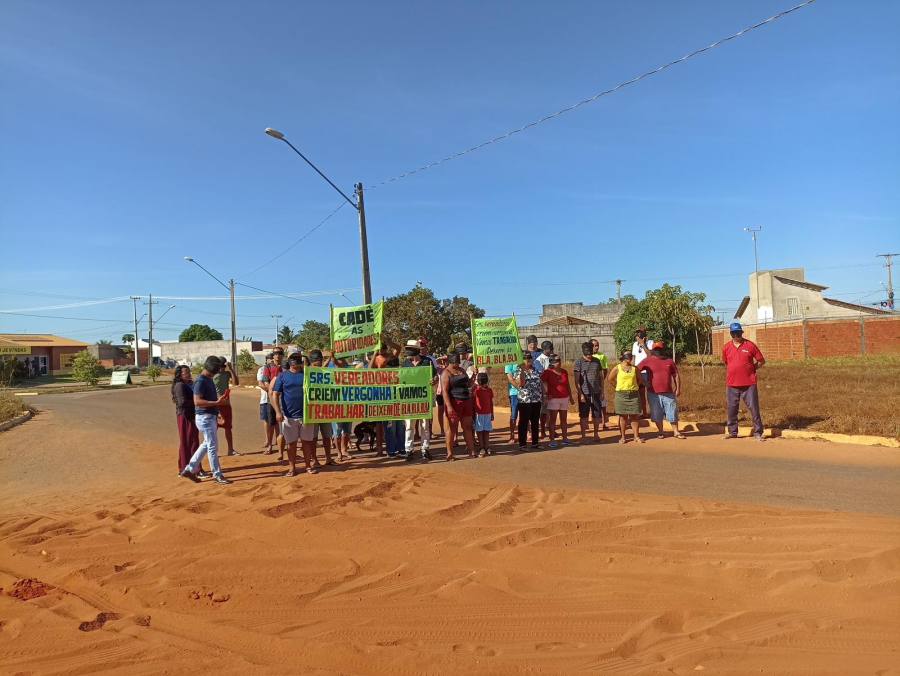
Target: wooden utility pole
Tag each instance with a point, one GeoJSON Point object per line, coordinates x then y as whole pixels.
{"type": "Point", "coordinates": [363, 244]}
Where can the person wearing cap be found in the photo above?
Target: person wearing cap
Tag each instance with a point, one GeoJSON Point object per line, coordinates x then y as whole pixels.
{"type": "Point", "coordinates": [415, 359]}
{"type": "Point", "coordinates": [262, 384]}
{"type": "Point", "coordinates": [640, 349]}
{"type": "Point", "coordinates": [557, 392]}
{"type": "Point", "coordinates": [206, 405]}
{"type": "Point", "coordinates": [589, 381]}
{"type": "Point", "coordinates": [309, 433]}
{"type": "Point", "coordinates": [604, 365]}
{"type": "Point", "coordinates": [624, 376]}
{"type": "Point", "coordinates": [287, 401]}
{"type": "Point", "coordinates": [663, 389]}
{"type": "Point", "coordinates": [742, 359]}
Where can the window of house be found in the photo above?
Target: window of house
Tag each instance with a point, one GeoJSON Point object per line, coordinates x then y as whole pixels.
{"type": "Point", "coordinates": [793, 307]}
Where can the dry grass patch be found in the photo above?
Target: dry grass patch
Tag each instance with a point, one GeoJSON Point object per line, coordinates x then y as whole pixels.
{"type": "Point", "coordinates": [11, 407]}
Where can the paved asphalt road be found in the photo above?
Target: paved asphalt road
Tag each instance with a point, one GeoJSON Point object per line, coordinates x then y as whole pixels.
{"type": "Point", "coordinates": [131, 434]}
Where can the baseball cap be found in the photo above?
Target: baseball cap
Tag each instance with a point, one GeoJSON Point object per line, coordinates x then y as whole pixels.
{"type": "Point", "coordinates": [659, 345]}
{"type": "Point", "coordinates": [736, 326]}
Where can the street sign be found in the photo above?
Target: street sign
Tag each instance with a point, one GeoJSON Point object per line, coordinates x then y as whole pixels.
{"type": "Point", "coordinates": [120, 378]}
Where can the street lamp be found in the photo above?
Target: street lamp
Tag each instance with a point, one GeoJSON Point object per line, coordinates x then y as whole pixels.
{"type": "Point", "coordinates": [753, 231]}
{"type": "Point", "coordinates": [230, 287]}
{"type": "Point", "coordinates": [359, 205]}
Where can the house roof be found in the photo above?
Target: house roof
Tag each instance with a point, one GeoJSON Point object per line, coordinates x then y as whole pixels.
{"type": "Point", "coordinates": [802, 285]}
{"type": "Point", "coordinates": [742, 307]}
{"type": "Point", "coordinates": [858, 308]}
{"type": "Point", "coordinates": [41, 340]}
{"type": "Point", "coordinates": [567, 320]}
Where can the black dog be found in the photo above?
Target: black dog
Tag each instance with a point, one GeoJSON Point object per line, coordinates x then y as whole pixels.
{"type": "Point", "coordinates": [364, 431]}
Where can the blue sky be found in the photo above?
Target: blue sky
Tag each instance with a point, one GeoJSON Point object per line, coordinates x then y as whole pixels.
{"type": "Point", "coordinates": [131, 135]}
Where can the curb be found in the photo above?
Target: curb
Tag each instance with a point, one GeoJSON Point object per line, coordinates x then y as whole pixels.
{"type": "Point", "coordinates": [858, 439]}
{"type": "Point", "coordinates": [18, 420]}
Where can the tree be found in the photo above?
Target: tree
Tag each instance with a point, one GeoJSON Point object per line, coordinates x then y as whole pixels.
{"type": "Point", "coordinates": [198, 332]}
{"type": "Point", "coordinates": [418, 313]}
{"type": "Point", "coordinates": [246, 362]}
{"type": "Point", "coordinates": [86, 368]}
{"type": "Point", "coordinates": [313, 335]}
{"type": "Point", "coordinates": [680, 317]}
{"type": "Point", "coordinates": [285, 335]}
{"type": "Point", "coordinates": [127, 337]}
{"type": "Point", "coordinates": [153, 372]}
{"type": "Point", "coordinates": [104, 342]}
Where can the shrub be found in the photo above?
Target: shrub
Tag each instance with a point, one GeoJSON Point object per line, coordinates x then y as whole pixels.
{"type": "Point", "coordinates": [11, 407]}
{"type": "Point", "coordinates": [153, 372]}
{"type": "Point", "coordinates": [86, 368]}
{"type": "Point", "coordinates": [246, 362]}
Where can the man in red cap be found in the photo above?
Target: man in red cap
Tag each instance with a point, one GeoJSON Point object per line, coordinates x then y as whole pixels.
{"type": "Point", "coordinates": [663, 388]}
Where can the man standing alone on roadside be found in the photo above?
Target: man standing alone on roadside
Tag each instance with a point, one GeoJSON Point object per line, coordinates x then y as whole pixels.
{"type": "Point", "coordinates": [222, 380]}
{"type": "Point", "coordinates": [206, 404]}
{"type": "Point", "coordinates": [742, 358]}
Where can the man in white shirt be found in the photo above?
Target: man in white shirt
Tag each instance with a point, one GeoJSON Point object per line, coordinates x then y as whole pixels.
{"type": "Point", "coordinates": [641, 350]}
{"type": "Point", "coordinates": [262, 383]}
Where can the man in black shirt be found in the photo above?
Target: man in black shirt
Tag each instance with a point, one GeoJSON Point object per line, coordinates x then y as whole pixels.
{"type": "Point", "coordinates": [589, 383]}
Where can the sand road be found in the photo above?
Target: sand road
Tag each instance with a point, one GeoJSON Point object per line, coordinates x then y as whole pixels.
{"type": "Point", "coordinates": [666, 558]}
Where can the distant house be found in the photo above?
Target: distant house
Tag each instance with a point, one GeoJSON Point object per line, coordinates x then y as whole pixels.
{"type": "Point", "coordinates": [568, 325]}
{"type": "Point", "coordinates": [48, 354]}
{"type": "Point", "coordinates": [785, 295]}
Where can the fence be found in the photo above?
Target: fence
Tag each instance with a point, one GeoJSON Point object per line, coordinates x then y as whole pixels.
{"type": "Point", "coordinates": [803, 339]}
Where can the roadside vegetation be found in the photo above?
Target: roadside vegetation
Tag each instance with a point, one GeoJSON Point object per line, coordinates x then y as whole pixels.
{"type": "Point", "coordinates": [11, 407]}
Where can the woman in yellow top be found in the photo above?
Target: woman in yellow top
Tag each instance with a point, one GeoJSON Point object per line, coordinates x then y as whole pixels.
{"type": "Point", "coordinates": [624, 376]}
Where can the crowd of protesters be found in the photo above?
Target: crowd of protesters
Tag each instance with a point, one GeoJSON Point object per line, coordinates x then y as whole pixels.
{"type": "Point", "coordinates": [645, 380]}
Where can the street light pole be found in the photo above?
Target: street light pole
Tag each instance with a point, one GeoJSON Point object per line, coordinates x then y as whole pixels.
{"type": "Point", "coordinates": [359, 205]}
{"type": "Point", "coordinates": [230, 287]}
{"type": "Point", "coordinates": [137, 362]}
{"type": "Point", "coordinates": [276, 318]}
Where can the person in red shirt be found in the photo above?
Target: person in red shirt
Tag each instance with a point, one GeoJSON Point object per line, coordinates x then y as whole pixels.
{"type": "Point", "coordinates": [663, 388]}
{"type": "Point", "coordinates": [484, 413]}
{"type": "Point", "coordinates": [558, 393]}
{"type": "Point", "coordinates": [742, 358]}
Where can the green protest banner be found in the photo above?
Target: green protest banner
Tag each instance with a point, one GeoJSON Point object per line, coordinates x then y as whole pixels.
{"type": "Point", "coordinates": [340, 395]}
{"type": "Point", "coordinates": [496, 341]}
{"type": "Point", "coordinates": [356, 330]}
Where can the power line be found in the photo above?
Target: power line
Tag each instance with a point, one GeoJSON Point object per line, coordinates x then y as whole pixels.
{"type": "Point", "coordinates": [591, 99]}
{"type": "Point", "coordinates": [275, 293]}
{"type": "Point", "coordinates": [297, 241]}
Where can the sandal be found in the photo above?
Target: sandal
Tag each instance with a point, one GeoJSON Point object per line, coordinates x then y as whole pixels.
{"type": "Point", "coordinates": [679, 435]}
{"type": "Point", "coordinates": [623, 440]}
{"type": "Point", "coordinates": [640, 440]}
{"type": "Point", "coordinates": [312, 470]}
{"type": "Point", "coordinates": [289, 473]}
{"type": "Point", "coordinates": [660, 436]}
{"type": "Point", "coordinates": [450, 458]}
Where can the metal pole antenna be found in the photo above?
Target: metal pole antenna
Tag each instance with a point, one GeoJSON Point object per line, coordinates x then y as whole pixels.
{"type": "Point", "coordinates": [889, 263]}
{"type": "Point", "coordinates": [276, 318]}
{"type": "Point", "coordinates": [363, 244]}
{"type": "Point", "coordinates": [134, 300]}
{"type": "Point", "coordinates": [150, 335]}
{"type": "Point", "coordinates": [233, 327]}
{"type": "Point", "coordinates": [753, 231]}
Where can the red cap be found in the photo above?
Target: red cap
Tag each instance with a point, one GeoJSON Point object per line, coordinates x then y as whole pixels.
{"type": "Point", "coordinates": [423, 342]}
{"type": "Point", "coordinates": [659, 345]}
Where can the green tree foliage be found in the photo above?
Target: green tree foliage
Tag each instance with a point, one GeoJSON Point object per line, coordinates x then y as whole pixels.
{"type": "Point", "coordinates": [153, 372]}
{"type": "Point", "coordinates": [104, 342]}
{"type": "Point", "coordinates": [11, 371]}
{"type": "Point", "coordinates": [198, 332]}
{"type": "Point", "coordinates": [285, 335]}
{"type": "Point", "coordinates": [86, 368]}
{"type": "Point", "coordinates": [127, 337]}
{"type": "Point", "coordinates": [246, 362]}
{"type": "Point", "coordinates": [418, 313]}
{"type": "Point", "coordinates": [681, 318]}
{"type": "Point", "coordinates": [313, 335]}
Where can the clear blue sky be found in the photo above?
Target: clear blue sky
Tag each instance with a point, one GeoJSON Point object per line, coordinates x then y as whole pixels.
{"type": "Point", "coordinates": [131, 135]}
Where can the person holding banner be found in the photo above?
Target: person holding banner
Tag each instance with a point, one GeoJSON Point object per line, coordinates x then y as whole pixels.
{"type": "Point", "coordinates": [456, 387]}
{"type": "Point", "coordinates": [415, 359]}
{"type": "Point", "coordinates": [309, 433]}
{"type": "Point", "coordinates": [270, 374]}
{"type": "Point", "coordinates": [287, 400]}
{"type": "Point", "coordinates": [438, 392]}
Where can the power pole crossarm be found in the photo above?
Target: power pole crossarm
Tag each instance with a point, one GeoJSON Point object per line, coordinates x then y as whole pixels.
{"type": "Point", "coordinates": [889, 263]}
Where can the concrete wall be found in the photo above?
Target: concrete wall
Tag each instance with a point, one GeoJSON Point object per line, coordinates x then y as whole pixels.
{"type": "Point", "coordinates": [600, 313]}
{"type": "Point", "coordinates": [820, 337]}
{"type": "Point", "coordinates": [197, 352]}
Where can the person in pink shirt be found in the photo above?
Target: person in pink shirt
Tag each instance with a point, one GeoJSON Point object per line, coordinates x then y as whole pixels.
{"type": "Point", "coordinates": [742, 359]}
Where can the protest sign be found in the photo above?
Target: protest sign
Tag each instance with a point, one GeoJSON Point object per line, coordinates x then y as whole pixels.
{"type": "Point", "coordinates": [495, 342]}
{"type": "Point", "coordinates": [340, 395]}
{"type": "Point", "coordinates": [356, 330]}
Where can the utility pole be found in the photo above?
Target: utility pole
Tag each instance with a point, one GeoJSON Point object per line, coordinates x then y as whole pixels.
{"type": "Point", "coordinates": [233, 327]}
{"type": "Point", "coordinates": [753, 231]}
{"type": "Point", "coordinates": [134, 300]}
{"type": "Point", "coordinates": [619, 291]}
{"type": "Point", "coordinates": [276, 318]}
{"type": "Point", "coordinates": [888, 263]}
{"type": "Point", "coordinates": [363, 244]}
{"type": "Point", "coordinates": [150, 305]}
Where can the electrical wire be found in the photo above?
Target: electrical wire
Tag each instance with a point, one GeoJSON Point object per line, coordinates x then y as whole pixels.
{"type": "Point", "coordinates": [296, 241]}
{"type": "Point", "coordinates": [591, 99]}
{"type": "Point", "coordinates": [283, 295]}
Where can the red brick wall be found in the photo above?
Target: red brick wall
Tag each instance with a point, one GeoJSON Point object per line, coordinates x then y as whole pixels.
{"type": "Point", "coordinates": [883, 336]}
{"type": "Point", "coordinates": [55, 363]}
{"type": "Point", "coordinates": [824, 338]}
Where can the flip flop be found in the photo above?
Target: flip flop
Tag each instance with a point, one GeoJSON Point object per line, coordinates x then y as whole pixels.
{"type": "Point", "coordinates": [289, 473]}
{"type": "Point", "coordinates": [312, 470]}
{"type": "Point", "coordinates": [680, 436]}
{"type": "Point", "coordinates": [623, 441]}
{"type": "Point", "coordinates": [660, 436]}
